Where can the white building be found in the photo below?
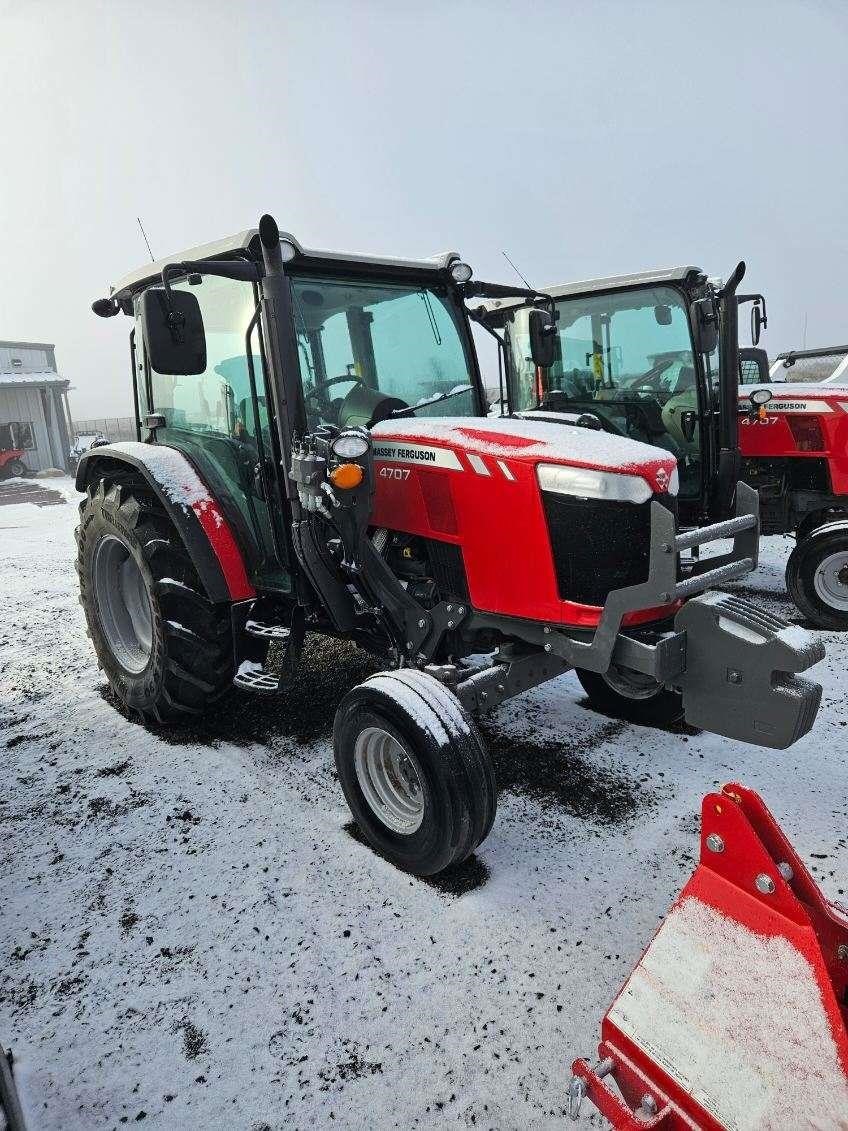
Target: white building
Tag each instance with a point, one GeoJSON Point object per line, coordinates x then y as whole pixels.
{"type": "Point", "coordinates": [34, 411]}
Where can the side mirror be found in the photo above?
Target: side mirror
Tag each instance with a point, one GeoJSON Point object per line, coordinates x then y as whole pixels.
{"type": "Point", "coordinates": [542, 338]}
{"type": "Point", "coordinates": [705, 324]}
{"type": "Point", "coordinates": [757, 324]}
{"type": "Point", "coordinates": [173, 332]}
{"type": "Point", "coordinates": [753, 366]}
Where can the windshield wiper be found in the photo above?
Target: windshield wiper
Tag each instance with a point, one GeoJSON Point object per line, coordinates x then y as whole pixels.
{"type": "Point", "coordinates": [433, 326]}
{"type": "Point", "coordinates": [427, 401]}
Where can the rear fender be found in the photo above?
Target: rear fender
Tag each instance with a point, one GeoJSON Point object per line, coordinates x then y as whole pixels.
{"type": "Point", "coordinates": [208, 538]}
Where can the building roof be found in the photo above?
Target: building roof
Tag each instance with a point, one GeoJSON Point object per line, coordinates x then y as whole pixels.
{"type": "Point", "coordinates": [48, 377]}
{"type": "Point", "coordinates": [248, 240]}
{"type": "Point", "coordinates": [4, 344]}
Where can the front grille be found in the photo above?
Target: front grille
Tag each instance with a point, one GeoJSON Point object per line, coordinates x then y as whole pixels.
{"type": "Point", "coordinates": [448, 568]}
{"type": "Point", "coordinates": [597, 545]}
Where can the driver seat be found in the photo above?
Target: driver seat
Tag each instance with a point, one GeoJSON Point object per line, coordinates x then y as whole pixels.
{"type": "Point", "coordinates": [364, 407]}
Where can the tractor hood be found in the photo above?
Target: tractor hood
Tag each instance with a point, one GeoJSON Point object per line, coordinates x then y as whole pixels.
{"type": "Point", "coordinates": [488, 447]}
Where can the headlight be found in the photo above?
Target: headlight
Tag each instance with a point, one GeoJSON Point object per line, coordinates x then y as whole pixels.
{"type": "Point", "coordinates": [586, 483]}
{"type": "Point", "coordinates": [350, 445]}
{"type": "Point", "coordinates": [460, 272]}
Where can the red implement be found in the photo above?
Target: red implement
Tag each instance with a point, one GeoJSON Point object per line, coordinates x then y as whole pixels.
{"type": "Point", "coordinates": [736, 1017]}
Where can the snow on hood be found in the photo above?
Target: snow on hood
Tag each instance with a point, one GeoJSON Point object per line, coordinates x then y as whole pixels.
{"type": "Point", "coordinates": [534, 440]}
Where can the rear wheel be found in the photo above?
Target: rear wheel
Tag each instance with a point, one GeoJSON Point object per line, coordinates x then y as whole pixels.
{"type": "Point", "coordinates": [165, 648]}
{"type": "Point", "coordinates": [414, 771]}
{"type": "Point", "coordinates": [629, 694]}
{"type": "Point", "coordinates": [817, 577]}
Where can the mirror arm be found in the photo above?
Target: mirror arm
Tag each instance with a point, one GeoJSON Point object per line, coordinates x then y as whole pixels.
{"type": "Point", "coordinates": [241, 269]}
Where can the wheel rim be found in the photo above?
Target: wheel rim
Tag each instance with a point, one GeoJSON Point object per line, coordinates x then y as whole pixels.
{"type": "Point", "coordinates": [123, 604]}
{"type": "Point", "coordinates": [632, 684]}
{"type": "Point", "coordinates": [831, 580]}
{"type": "Point", "coordinates": [388, 778]}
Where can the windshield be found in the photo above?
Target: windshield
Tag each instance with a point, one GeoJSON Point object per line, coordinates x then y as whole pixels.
{"type": "Point", "coordinates": [626, 357]}
{"type": "Point", "coordinates": [369, 350]}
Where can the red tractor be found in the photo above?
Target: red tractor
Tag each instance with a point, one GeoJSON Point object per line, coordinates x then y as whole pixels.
{"type": "Point", "coordinates": [314, 455]}
{"type": "Point", "coordinates": [12, 463]}
{"type": "Point", "coordinates": [649, 356]}
{"type": "Point", "coordinates": [793, 437]}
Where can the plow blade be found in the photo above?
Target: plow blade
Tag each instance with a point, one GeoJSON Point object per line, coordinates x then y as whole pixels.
{"type": "Point", "coordinates": [741, 664]}
{"type": "Point", "coordinates": [736, 1017]}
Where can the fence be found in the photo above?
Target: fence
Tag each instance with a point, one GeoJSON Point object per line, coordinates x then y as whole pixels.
{"type": "Point", "coordinates": [113, 427]}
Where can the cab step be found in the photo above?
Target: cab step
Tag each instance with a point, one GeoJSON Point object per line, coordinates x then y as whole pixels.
{"type": "Point", "coordinates": [265, 631]}
{"type": "Point", "coordinates": [251, 676]}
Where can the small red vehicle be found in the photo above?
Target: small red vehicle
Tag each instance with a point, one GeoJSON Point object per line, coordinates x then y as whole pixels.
{"type": "Point", "coordinates": [12, 463]}
{"type": "Point", "coordinates": [793, 438]}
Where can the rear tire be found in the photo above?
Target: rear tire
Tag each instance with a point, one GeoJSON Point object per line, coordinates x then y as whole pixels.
{"type": "Point", "coordinates": [646, 704]}
{"type": "Point", "coordinates": [414, 771]}
{"type": "Point", "coordinates": [817, 577]}
{"type": "Point", "coordinates": [165, 648]}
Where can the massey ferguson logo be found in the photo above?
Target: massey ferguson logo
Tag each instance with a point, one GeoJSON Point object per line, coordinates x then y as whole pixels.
{"type": "Point", "coordinates": [416, 453]}
{"type": "Point", "coordinates": [662, 477]}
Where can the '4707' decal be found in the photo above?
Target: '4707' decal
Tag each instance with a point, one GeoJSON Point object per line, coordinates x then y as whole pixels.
{"type": "Point", "coordinates": [394, 472]}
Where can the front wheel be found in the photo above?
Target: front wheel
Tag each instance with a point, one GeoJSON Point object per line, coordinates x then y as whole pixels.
{"type": "Point", "coordinates": [414, 771]}
{"type": "Point", "coordinates": [631, 695]}
{"type": "Point", "coordinates": [817, 577]}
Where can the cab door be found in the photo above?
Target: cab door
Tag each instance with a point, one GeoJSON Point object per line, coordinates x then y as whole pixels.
{"type": "Point", "coordinates": [222, 420]}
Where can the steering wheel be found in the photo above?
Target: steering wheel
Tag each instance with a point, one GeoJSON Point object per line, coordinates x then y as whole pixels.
{"type": "Point", "coordinates": [320, 386]}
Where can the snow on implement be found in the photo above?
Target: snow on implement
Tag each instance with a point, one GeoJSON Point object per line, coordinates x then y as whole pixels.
{"type": "Point", "coordinates": [736, 1017]}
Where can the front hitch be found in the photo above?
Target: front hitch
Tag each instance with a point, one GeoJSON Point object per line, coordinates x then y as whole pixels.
{"type": "Point", "coordinates": [740, 677]}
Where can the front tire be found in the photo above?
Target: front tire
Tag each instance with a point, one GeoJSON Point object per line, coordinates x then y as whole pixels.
{"type": "Point", "coordinates": [414, 771]}
{"type": "Point", "coordinates": [164, 647]}
{"type": "Point", "coordinates": [817, 577]}
{"type": "Point", "coordinates": [632, 696]}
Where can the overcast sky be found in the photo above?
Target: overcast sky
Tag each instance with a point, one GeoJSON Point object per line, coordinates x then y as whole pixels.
{"type": "Point", "coordinates": [586, 139]}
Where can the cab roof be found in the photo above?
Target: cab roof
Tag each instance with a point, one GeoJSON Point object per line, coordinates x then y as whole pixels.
{"type": "Point", "coordinates": [247, 242]}
{"type": "Point", "coordinates": [656, 277]}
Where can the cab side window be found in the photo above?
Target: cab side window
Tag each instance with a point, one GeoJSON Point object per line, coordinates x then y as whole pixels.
{"type": "Point", "coordinates": [211, 416]}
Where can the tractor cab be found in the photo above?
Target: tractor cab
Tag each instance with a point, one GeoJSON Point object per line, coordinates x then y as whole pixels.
{"type": "Point", "coordinates": [367, 339]}
{"type": "Point", "coordinates": [650, 356]}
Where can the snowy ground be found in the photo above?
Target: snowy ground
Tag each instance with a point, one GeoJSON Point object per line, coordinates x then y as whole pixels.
{"type": "Point", "coordinates": [191, 938]}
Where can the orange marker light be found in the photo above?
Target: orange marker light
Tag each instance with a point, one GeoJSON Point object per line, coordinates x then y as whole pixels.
{"type": "Point", "coordinates": [346, 475]}
{"type": "Point", "coordinates": [761, 412]}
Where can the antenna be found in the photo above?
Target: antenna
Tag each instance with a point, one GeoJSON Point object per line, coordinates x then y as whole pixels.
{"type": "Point", "coordinates": [146, 240]}
{"type": "Point", "coordinates": [515, 269]}
{"type": "Point", "coordinates": [804, 346]}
